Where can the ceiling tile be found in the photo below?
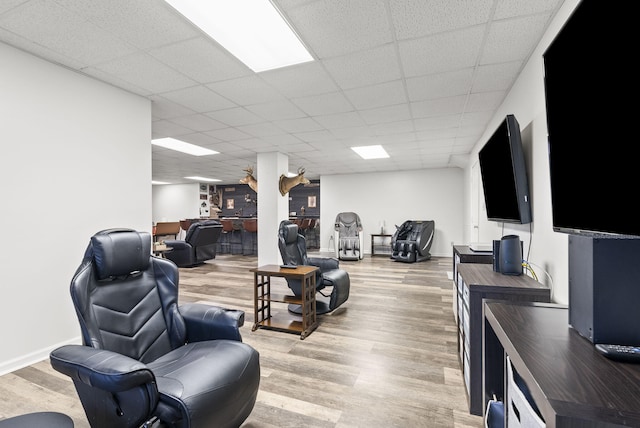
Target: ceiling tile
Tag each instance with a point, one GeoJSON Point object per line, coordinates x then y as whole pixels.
{"type": "Point", "coordinates": [510, 40]}
{"type": "Point", "coordinates": [340, 120]}
{"type": "Point", "coordinates": [162, 108]}
{"type": "Point", "coordinates": [303, 124]}
{"type": "Point", "coordinates": [512, 8]}
{"type": "Point", "coordinates": [263, 129]}
{"type": "Point", "coordinates": [246, 90]}
{"type": "Point", "coordinates": [142, 23]}
{"type": "Point", "coordinates": [416, 18]}
{"type": "Point", "coordinates": [386, 114]}
{"type": "Point", "coordinates": [365, 68]}
{"type": "Point", "coordinates": [333, 102]}
{"type": "Point", "coordinates": [235, 116]}
{"type": "Point", "coordinates": [442, 52]}
{"type": "Point", "coordinates": [56, 28]}
{"type": "Point", "coordinates": [300, 80]}
{"type": "Point", "coordinates": [440, 85]}
{"type": "Point", "coordinates": [199, 99]}
{"type": "Point", "coordinates": [383, 94]}
{"type": "Point", "coordinates": [201, 59]}
{"type": "Point", "coordinates": [277, 110]}
{"type": "Point", "coordinates": [337, 27]}
{"type": "Point", "coordinates": [495, 77]}
{"type": "Point", "coordinates": [439, 106]}
{"type": "Point", "coordinates": [145, 72]}
{"type": "Point", "coordinates": [198, 122]}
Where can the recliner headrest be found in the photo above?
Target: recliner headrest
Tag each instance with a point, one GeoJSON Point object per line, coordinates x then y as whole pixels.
{"type": "Point", "coordinates": [118, 252]}
{"type": "Point", "coordinates": [198, 224]}
{"type": "Point", "coordinates": [289, 233]}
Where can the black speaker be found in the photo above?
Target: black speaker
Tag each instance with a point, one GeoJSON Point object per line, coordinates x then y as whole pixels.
{"type": "Point", "coordinates": [510, 255]}
{"type": "Point", "coordinates": [496, 255]}
{"type": "Point", "coordinates": [604, 290]}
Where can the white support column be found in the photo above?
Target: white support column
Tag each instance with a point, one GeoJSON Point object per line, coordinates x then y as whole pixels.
{"type": "Point", "coordinates": [272, 206]}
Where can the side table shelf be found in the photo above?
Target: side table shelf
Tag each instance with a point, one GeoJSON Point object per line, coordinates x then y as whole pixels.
{"type": "Point", "coordinates": [379, 244]}
{"type": "Point", "coordinates": [263, 300]}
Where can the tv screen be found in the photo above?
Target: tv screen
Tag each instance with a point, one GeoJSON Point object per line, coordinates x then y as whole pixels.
{"type": "Point", "coordinates": [504, 175]}
{"type": "Point", "coordinates": [593, 154]}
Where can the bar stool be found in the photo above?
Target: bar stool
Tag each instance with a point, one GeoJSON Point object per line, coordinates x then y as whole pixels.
{"type": "Point", "coordinates": [184, 226]}
{"type": "Point", "coordinates": [250, 230]}
{"type": "Point", "coordinates": [304, 226]}
{"type": "Point", "coordinates": [312, 234]}
{"type": "Point", "coordinates": [235, 237]}
{"type": "Point", "coordinates": [225, 236]}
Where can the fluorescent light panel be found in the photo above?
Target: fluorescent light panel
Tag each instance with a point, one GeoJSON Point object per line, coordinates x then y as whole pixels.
{"type": "Point", "coordinates": [253, 31]}
{"type": "Point", "coordinates": [210, 180]}
{"type": "Point", "coordinates": [371, 152]}
{"type": "Point", "coordinates": [181, 146]}
{"type": "Point", "coordinates": [154, 182]}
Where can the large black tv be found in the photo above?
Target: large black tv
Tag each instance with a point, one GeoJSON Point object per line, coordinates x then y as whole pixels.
{"type": "Point", "coordinates": [594, 161]}
{"type": "Point", "coordinates": [504, 175]}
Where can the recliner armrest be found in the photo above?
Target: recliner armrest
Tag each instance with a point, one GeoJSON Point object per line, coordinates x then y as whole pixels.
{"type": "Point", "coordinates": [324, 263]}
{"type": "Point", "coordinates": [102, 369]}
{"type": "Point", "coordinates": [177, 244]}
{"type": "Point", "coordinates": [207, 322]}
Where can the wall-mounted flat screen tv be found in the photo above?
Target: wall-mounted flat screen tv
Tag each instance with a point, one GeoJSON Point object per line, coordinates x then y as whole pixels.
{"type": "Point", "coordinates": [594, 162]}
{"type": "Point", "coordinates": [504, 175]}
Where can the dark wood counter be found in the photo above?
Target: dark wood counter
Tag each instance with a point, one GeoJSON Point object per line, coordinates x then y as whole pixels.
{"type": "Point", "coordinates": [572, 384]}
{"type": "Point", "coordinates": [479, 282]}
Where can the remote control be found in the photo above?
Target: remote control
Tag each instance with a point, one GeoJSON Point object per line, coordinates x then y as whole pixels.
{"type": "Point", "coordinates": [626, 353]}
{"type": "Point", "coordinates": [289, 266]}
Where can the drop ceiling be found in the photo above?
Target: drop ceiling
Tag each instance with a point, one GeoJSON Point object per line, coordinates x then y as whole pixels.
{"type": "Point", "coordinates": [420, 77]}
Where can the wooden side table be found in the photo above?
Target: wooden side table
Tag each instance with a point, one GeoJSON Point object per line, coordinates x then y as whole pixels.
{"type": "Point", "coordinates": [263, 298]}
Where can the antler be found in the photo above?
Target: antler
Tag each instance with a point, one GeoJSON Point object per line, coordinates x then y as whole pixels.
{"type": "Point", "coordinates": [300, 170]}
{"type": "Point", "coordinates": [249, 170]}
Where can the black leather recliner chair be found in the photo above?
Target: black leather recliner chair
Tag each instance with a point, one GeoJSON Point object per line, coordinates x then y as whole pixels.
{"type": "Point", "coordinates": [199, 244]}
{"type": "Point", "coordinates": [349, 239]}
{"type": "Point", "coordinates": [412, 241]}
{"type": "Point", "coordinates": [293, 249]}
{"type": "Point", "coordinates": [144, 357]}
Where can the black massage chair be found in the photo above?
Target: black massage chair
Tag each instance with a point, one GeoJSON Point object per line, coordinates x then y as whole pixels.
{"type": "Point", "coordinates": [412, 241]}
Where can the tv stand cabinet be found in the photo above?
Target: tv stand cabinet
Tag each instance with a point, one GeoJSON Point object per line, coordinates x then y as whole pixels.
{"type": "Point", "coordinates": [479, 282]}
{"type": "Point", "coordinates": [464, 254]}
{"type": "Point", "coordinates": [571, 383]}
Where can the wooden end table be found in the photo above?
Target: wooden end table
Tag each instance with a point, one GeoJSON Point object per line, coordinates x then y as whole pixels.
{"type": "Point", "coordinates": [263, 298]}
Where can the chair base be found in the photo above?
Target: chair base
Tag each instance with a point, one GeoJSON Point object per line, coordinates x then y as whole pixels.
{"type": "Point", "coordinates": [38, 420]}
{"type": "Point", "coordinates": [321, 308]}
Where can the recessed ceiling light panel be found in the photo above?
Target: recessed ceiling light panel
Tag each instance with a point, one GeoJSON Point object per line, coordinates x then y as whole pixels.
{"type": "Point", "coordinates": [371, 152]}
{"type": "Point", "coordinates": [181, 146]}
{"type": "Point", "coordinates": [197, 178]}
{"type": "Point", "coordinates": [253, 31]}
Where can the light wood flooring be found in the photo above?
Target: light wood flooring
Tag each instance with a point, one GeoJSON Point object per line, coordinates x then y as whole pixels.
{"type": "Point", "coordinates": [386, 358]}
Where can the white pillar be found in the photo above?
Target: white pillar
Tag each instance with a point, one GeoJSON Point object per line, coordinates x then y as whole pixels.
{"type": "Point", "coordinates": [272, 206]}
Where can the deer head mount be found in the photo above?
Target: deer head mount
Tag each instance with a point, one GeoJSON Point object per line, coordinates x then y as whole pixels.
{"type": "Point", "coordinates": [249, 179]}
{"type": "Point", "coordinates": [288, 183]}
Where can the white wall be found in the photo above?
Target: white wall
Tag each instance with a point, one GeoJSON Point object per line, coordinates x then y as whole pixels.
{"type": "Point", "coordinates": [549, 250]}
{"type": "Point", "coordinates": [175, 202]}
{"type": "Point", "coordinates": [76, 159]}
{"type": "Point", "coordinates": [429, 194]}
